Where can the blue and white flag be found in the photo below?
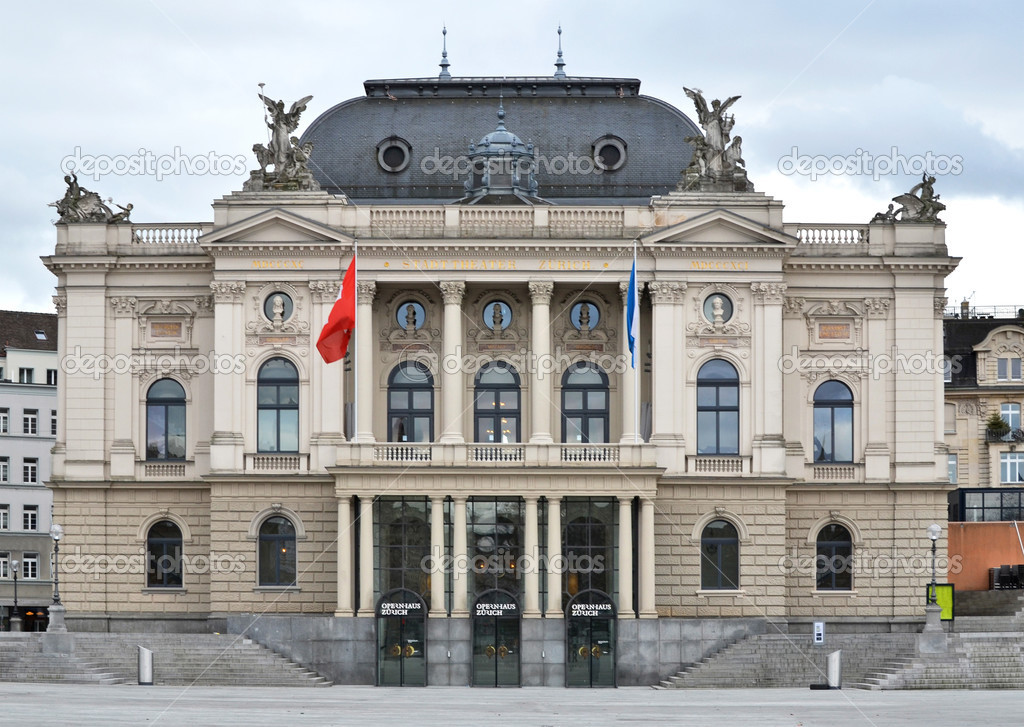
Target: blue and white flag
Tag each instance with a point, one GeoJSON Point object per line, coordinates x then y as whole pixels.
{"type": "Point", "coordinates": [633, 314]}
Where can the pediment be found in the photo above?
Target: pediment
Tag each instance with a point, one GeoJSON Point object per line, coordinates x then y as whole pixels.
{"type": "Point", "coordinates": [275, 226]}
{"type": "Point", "coordinates": [721, 227]}
{"type": "Point", "coordinates": [1007, 339]}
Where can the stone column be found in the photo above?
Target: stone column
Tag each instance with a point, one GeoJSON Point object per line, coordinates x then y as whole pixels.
{"type": "Point", "coordinates": [877, 454]}
{"type": "Point", "coordinates": [437, 572]}
{"type": "Point", "coordinates": [541, 390]}
{"type": "Point", "coordinates": [667, 378]}
{"type": "Point", "coordinates": [625, 557]}
{"type": "Point", "coordinates": [365, 376]}
{"type": "Point", "coordinates": [554, 605]}
{"type": "Point", "coordinates": [646, 559]}
{"type": "Point", "coordinates": [531, 579]}
{"type": "Point", "coordinates": [769, 446]}
{"type": "Point", "coordinates": [452, 377]}
{"type": "Point", "coordinates": [227, 446]}
{"type": "Point", "coordinates": [627, 393]}
{"type": "Point", "coordinates": [366, 605]}
{"type": "Point", "coordinates": [460, 560]}
{"type": "Point", "coordinates": [122, 448]}
{"type": "Point", "coordinates": [344, 556]}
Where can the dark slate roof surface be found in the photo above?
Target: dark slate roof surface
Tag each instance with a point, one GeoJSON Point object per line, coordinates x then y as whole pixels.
{"type": "Point", "coordinates": [18, 330]}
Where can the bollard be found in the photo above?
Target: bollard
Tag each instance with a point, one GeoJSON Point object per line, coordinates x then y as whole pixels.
{"type": "Point", "coordinates": [835, 670]}
{"type": "Point", "coordinates": [145, 666]}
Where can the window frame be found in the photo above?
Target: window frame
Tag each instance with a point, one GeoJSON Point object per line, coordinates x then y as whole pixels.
{"type": "Point", "coordinates": [30, 518]}
{"type": "Point", "coordinates": [30, 470]}
{"type": "Point", "coordinates": [5, 469]}
{"type": "Point", "coordinates": [831, 405]}
{"type": "Point", "coordinates": [51, 377]}
{"type": "Point", "coordinates": [953, 468]}
{"type": "Point", "coordinates": [495, 413]}
{"type": "Point", "coordinates": [1011, 463]}
{"type": "Point", "coordinates": [26, 375]}
{"type": "Point", "coordinates": [5, 517]}
{"type": "Point", "coordinates": [270, 541]}
{"type": "Point", "coordinates": [5, 420]}
{"type": "Point", "coordinates": [157, 403]}
{"type": "Point", "coordinates": [586, 413]}
{"type": "Point", "coordinates": [265, 383]}
{"type": "Point", "coordinates": [30, 421]}
{"type": "Point", "coordinates": [173, 578]}
{"type": "Point", "coordinates": [1008, 369]}
{"type": "Point", "coordinates": [718, 384]}
{"type": "Point", "coordinates": [30, 566]}
{"type": "Point", "coordinates": [831, 546]}
{"type": "Point", "coordinates": [410, 413]}
{"type": "Point", "coordinates": [1010, 412]}
{"type": "Point", "coordinates": [713, 575]}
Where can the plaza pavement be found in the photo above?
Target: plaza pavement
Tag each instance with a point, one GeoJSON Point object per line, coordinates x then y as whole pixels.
{"type": "Point", "coordinates": [27, 705]}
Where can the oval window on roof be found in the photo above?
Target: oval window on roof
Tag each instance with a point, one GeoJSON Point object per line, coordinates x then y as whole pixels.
{"type": "Point", "coordinates": [394, 154]}
{"type": "Point", "coordinates": [609, 153]}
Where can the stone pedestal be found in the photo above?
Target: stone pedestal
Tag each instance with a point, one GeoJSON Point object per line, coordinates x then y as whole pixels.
{"type": "Point", "coordinates": [56, 625]}
{"type": "Point", "coordinates": [16, 623]}
{"type": "Point", "coordinates": [933, 639]}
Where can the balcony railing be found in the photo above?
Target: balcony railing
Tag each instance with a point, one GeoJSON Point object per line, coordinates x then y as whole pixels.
{"type": "Point", "coordinates": [277, 462]}
{"type": "Point", "coordinates": [590, 453]}
{"type": "Point", "coordinates": [163, 470]}
{"type": "Point", "coordinates": [714, 465]}
{"type": "Point", "coordinates": [401, 453]}
{"type": "Point", "coordinates": [495, 453]}
{"type": "Point", "coordinates": [1004, 435]}
{"type": "Point", "coordinates": [835, 472]}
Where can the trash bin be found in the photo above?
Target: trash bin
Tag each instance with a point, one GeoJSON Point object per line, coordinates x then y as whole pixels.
{"type": "Point", "coordinates": [835, 670]}
{"type": "Point", "coordinates": [145, 666]}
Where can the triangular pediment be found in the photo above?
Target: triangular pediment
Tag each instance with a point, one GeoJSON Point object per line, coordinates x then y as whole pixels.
{"type": "Point", "coordinates": [275, 225]}
{"type": "Point", "coordinates": [721, 227]}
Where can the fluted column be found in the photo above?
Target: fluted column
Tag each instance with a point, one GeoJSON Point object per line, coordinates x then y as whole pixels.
{"type": "Point", "coordinates": [366, 605]}
{"type": "Point", "coordinates": [122, 448]}
{"type": "Point", "coordinates": [666, 374]}
{"type": "Point", "coordinates": [365, 292]}
{"type": "Point", "coordinates": [554, 605]}
{"type": "Point", "coordinates": [627, 391]}
{"type": "Point", "coordinates": [625, 557]}
{"type": "Point", "coordinates": [531, 579]}
{"type": "Point", "coordinates": [460, 560]}
{"type": "Point", "coordinates": [437, 574]}
{"type": "Point", "coordinates": [646, 559]}
{"type": "Point", "coordinates": [451, 367]}
{"type": "Point", "coordinates": [541, 390]}
{"type": "Point", "coordinates": [344, 557]}
{"type": "Point", "coordinates": [226, 442]}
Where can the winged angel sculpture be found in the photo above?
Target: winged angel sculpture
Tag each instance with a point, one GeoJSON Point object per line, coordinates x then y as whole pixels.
{"type": "Point", "coordinates": [717, 158]}
{"type": "Point", "coordinates": [283, 151]}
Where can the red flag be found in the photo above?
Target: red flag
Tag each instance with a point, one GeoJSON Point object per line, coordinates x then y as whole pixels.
{"type": "Point", "coordinates": [333, 341]}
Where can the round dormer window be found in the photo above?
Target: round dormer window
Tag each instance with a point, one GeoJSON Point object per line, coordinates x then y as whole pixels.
{"type": "Point", "coordinates": [394, 154]}
{"type": "Point", "coordinates": [609, 153]}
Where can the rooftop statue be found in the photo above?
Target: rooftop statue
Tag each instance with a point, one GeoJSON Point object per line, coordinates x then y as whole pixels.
{"type": "Point", "coordinates": [289, 159]}
{"type": "Point", "coordinates": [717, 164]}
{"type": "Point", "coordinates": [920, 207]}
{"type": "Point", "coordinates": [80, 205]}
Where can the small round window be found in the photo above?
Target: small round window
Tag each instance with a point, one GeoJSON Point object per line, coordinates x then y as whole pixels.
{"type": "Point", "coordinates": [584, 316]}
{"type": "Point", "coordinates": [497, 315]}
{"type": "Point", "coordinates": [393, 154]}
{"type": "Point", "coordinates": [278, 307]}
{"type": "Point", "coordinates": [410, 316]}
{"type": "Point", "coordinates": [609, 153]}
{"type": "Point", "coordinates": [717, 308]}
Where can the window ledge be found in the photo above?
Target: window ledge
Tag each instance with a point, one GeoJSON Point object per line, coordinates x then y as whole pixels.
{"type": "Point", "coordinates": [276, 589]}
{"type": "Point", "coordinates": [730, 593]}
{"type": "Point", "coordinates": [165, 591]}
{"type": "Point", "coordinates": [828, 594]}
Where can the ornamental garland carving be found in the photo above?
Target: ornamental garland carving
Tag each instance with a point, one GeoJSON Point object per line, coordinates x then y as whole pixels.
{"type": "Point", "coordinates": [969, 408]}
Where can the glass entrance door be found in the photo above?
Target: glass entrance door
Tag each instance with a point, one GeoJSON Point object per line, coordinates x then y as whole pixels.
{"type": "Point", "coordinates": [590, 640]}
{"type": "Point", "coordinates": [496, 647]}
{"type": "Point", "coordinates": [401, 641]}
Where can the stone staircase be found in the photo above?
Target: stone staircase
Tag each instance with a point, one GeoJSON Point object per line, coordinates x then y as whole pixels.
{"type": "Point", "coordinates": [792, 660]}
{"type": "Point", "coordinates": [973, 661]}
{"type": "Point", "coordinates": [178, 660]}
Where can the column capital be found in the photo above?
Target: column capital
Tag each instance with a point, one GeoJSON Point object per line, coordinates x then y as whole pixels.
{"type": "Point", "coordinates": [60, 302]}
{"type": "Point", "coordinates": [452, 291]}
{"type": "Point", "coordinates": [124, 306]}
{"type": "Point", "coordinates": [665, 291]}
{"type": "Point", "coordinates": [227, 291]}
{"type": "Point", "coordinates": [624, 290]}
{"type": "Point", "coordinates": [366, 290]}
{"type": "Point", "coordinates": [540, 291]}
{"type": "Point", "coordinates": [771, 293]}
{"type": "Point", "coordinates": [323, 291]}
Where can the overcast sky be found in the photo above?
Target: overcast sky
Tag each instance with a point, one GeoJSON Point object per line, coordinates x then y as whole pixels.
{"type": "Point", "coordinates": [936, 80]}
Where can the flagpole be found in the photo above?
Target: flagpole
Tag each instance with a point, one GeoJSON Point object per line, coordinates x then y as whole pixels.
{"type": "Point", "coordinates": [355, 358]}
{"type": "Point", "coordinates": [636, 345]}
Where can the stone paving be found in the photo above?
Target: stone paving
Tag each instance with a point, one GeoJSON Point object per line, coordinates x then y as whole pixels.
{"type": "Point", "coordinates": [35, 704]}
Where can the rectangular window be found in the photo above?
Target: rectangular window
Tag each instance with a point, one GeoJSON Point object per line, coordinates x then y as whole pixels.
{"type": "Point", "coordinates": [30, 421]}
{"type": "Point", "coordinates": [5, 565]}
{"type": "Point", "coordinates": [953, 465]}
{"type": "Point", "coordinates": [1010, 414]}
{"type": "Point", "coordinates": [53, 422]}
{"type": "Point", "coordinates": [5, 469]}
{"type": "Point", "coordinates": [30, 471]}
{"type": "Point", "coordinates": [5, 517]}
{"type": "Point", "coordinates": [5, 417]}
{"type": "Point", "coordinates": [25, 376]}
{"type": "Point", "coordinates": [30, 517]}
{"type": "Point", "coordinates": [950, 412]}
{"type": "Point", "coordinates": [1008, 369]}
{"type": "Point", "coordinates": [51, 377]}
{"type": "Point", "coordinates": [1011, 467]}
{"type": "Point", "coordinates": [30, 566]}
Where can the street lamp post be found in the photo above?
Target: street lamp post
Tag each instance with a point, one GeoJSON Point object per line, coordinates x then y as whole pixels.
{"type": "Point", "coordinates": [933, 612]}
{"type": "Point", "coordinates": [56, 624]}
{"type": "Point", "coordinates": [15, 615]}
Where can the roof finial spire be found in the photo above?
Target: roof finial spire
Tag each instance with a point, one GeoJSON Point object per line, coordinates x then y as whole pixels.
{"type": "Point", "coordinates": [501, 110]}
{"type": "Point", "coordinates": [559, 63]}
{"type": "Point", "coordinates": [445, 75]}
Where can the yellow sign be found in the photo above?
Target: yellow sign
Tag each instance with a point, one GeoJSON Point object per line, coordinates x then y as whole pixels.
{"type": "Point", "coordinates": [463, 264]}
{"type": "Point", "coordinates": [833, 331]}
{"type": "Point", "coordinates": [945, 595]}
{"type": "Point", "coordinates": [277, 264]}
{"type": "Point", "coordinates": [165, 329]}
{"type": "Point", "coordinates": [720, 265]}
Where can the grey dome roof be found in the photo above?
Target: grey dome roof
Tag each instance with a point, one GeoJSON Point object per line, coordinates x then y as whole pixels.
{"type": "Point", "coordinates": [436, 121]}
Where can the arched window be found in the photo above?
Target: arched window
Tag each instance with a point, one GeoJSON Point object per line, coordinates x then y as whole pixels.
{"type": "Point", "coordinates": [410, 403]}
{"type": "Point", "coordinates": [719, 556]}
{"type": "Point", "coordinates": [496, 411]}
{"type": "Point", "coordinates": [833, 423]}
{"type": "Point", "coordinates": [584, 404]}
{"type": "Point", "coordinates": [835, 552]}
{"type": "Point", "coordinates": [163, 555]}
{"type": "Point", "coordinates": [277, 404]}
{"type": "Point", "coordinates": [277, 565]}
{"type": "Point", "coordinates": [718, 408]}
{"type": "Point", "coordinates": [165, 420]}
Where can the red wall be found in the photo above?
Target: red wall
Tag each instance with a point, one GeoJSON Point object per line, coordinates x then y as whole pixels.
{"type": "Point", "coordinates": [976, 547]}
